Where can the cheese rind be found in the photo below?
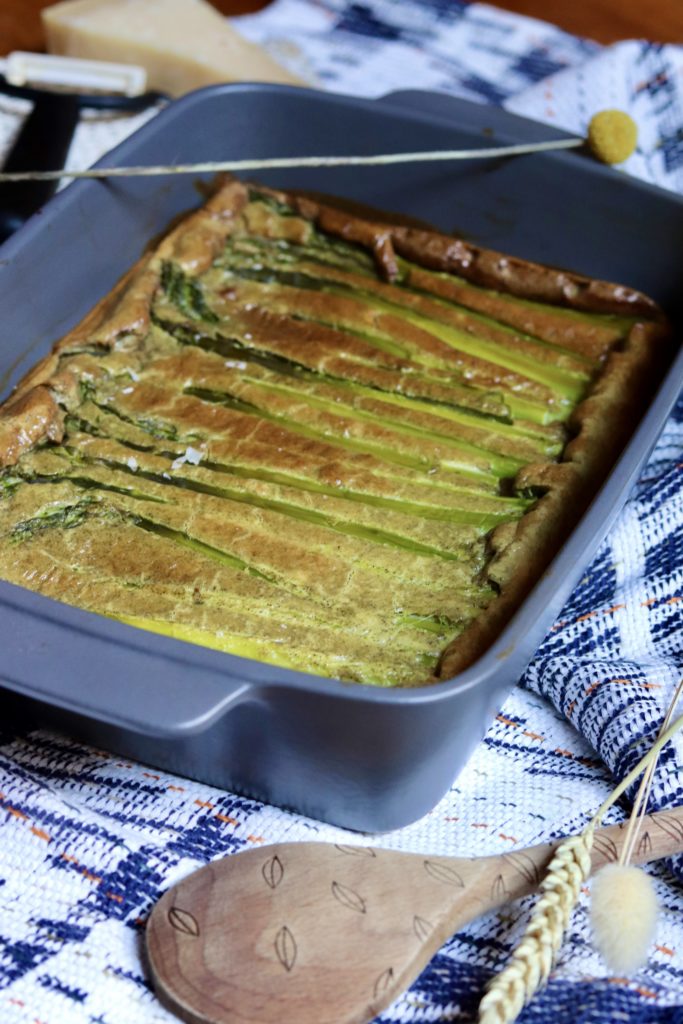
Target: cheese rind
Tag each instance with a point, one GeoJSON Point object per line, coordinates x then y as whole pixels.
{"type": "Point", "coordinates": [183, 44]}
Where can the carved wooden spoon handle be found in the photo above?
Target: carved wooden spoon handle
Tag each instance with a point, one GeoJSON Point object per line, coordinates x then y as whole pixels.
{"type": "Point", "coordinates": [661, 835]}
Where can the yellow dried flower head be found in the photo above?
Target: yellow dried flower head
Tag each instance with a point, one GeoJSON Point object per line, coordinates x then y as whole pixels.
{"type": "Point", "coordinates": [612, 136]}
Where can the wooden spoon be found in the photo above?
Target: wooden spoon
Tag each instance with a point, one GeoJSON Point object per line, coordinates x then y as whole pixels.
{"type": "Point", "coordinates": [311, 933]}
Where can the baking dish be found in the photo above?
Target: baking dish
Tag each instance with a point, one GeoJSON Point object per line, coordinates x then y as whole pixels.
{"type": "Point", "coordinates": [364, 758]}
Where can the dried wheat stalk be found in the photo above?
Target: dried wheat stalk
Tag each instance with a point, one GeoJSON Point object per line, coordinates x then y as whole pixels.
{"type": "Point", "coordinates": [532, 959]}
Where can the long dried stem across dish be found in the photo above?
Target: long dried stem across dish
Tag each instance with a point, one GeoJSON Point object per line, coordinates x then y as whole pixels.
{"type": "Point", "coordinates": [332, 443]}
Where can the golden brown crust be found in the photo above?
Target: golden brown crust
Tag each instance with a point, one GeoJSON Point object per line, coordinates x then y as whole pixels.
{"type": "Point", "coordinates": [27, 421]}
{"type": "Point", "coordinates": [519, 550]}
{"type": "Point", "coordinates": [522, 549]}
{"type": "Point", "coordinates": [520, 277]}
{"type": "Point", "coordinates": [198, 238]}
{"type": "Point", "coordinates": [484, 267]}
{"type": "Point", "coordinates": [126, 309]}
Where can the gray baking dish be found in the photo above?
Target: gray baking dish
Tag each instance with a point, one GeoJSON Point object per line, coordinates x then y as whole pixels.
{"type": "Point", "coordinates": [365, 758]}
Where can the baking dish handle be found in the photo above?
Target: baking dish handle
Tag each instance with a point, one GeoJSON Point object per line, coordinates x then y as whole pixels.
{"type": "Point", "coordinates": [173, 689]}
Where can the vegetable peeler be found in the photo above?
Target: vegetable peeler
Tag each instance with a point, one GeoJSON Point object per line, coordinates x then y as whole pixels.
{"type": "Point", "coordinates": [59, 89]}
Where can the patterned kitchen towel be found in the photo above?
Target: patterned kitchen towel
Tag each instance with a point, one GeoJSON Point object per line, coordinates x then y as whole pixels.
{"type": "Point", "coordinates": [88, 841]}
{"type": "Point", "coordinates": [485, 54]}
{"type": "Point", "coordinates": [643, 78]}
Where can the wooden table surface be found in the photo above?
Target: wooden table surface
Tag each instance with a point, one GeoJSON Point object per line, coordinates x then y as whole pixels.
{"type": "Point", "coordinates": [604, 20]}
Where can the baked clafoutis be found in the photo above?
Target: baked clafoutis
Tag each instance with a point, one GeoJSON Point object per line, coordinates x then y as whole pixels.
{"type": "Point", "coordinates": [329, 442]}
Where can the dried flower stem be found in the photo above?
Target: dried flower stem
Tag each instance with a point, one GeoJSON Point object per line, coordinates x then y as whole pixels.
{"type": "Point", "coordinates": [569, 867]}
{"type": "Point", "coordinates": [278, 163]}
{"type": "Point", "coordinates": [643, 795]}
{"type": "Point", "coordinates": [623, 902]}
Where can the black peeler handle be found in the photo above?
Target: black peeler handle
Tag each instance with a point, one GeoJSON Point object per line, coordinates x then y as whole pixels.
{"type": "Point", "coordinates": [42, 144]}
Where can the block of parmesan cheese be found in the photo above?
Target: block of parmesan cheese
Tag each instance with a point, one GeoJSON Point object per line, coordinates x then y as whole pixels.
{"type": "Point", "coordinates": [183, 44]}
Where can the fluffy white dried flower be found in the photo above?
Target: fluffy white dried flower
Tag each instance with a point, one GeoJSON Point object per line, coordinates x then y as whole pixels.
{"type": "Point", "coordinates": [626, 909]}
{"type": "Point", "coordinates": [623, 916]}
